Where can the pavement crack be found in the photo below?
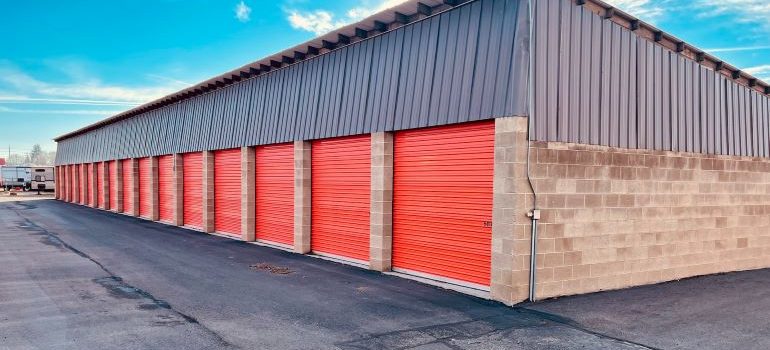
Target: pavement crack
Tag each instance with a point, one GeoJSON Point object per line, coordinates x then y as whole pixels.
{"type": "Point", "coordinates": [577, 326]}
{"type": "Point", "coordinates": [115, 283]}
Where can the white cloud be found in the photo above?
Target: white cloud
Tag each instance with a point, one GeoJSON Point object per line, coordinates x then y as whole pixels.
{"type": "Point", "coordinates": [88, 91]}
{"type": "Point", "coordinates": [761, 72]}
{"type": "Point", "coordinates": [20, 99]}
{"type": "Point", "coordinates": [166, 79]}
{"type": "Point", "coordinates": [738, 48]}
{"type": "Point", "coordinates": [648, 10]}
{"type": "Point", "coordinates": [243, 12]}
{"type": "Point", "coordinates": [746, 11]}
{"type": "Point", "coordinates": [360, 12]}
{"type": "Point", "coordinates": [60, 111]}
{"type": "Point", "coordinates": [320, 22]}
{"type": "Point", "coordinates": [317, 22]}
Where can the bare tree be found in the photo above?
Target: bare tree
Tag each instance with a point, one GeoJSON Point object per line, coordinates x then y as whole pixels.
{"type": "Point", "coordinates": [36, 156]}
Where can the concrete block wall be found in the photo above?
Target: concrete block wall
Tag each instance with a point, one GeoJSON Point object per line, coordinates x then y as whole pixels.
{"type": "Point", "coordinates": [614, 218]}
{"type": "Point", "coordinates": [178, 190]}
{"type": "Point", "coordinates": [134, 210]}
{"type": "Point", "coordinates": [208, 192]}
{"type": "Point", "coordinates": [154, 208]}
{"type": "Point", "coordinates": [510, 202]}
{"type": "Point", "coordinates": [249, 199]}
{"type": "Point", "coordinates": [120, 206]}
{"type": "Point", "coordinates": [302, 197]}
{"type": "Point", "coordinates": [381, 197]}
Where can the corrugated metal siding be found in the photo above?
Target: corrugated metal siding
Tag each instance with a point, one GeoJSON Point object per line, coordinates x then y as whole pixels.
{"type": "Point", "coordinates": [598, 83]}
{"type": "Point", "coordinates": [469, 63]}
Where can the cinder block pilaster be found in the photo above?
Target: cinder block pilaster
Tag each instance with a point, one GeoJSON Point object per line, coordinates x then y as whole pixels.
{"type": "Point", "coordinates": [178, 178]}
{"type": "Point", "coordinates": [154, 206]}
{"type": "Point", "coordinates": [248, 187]}
{"type": "Point", "coordinates": [134, 187]}
{"type": "Point", "coordinates": [381, 212]}
{"type": "Point", "coordinates": [94, 186]}
{"type": "Point", "coordinates": [302, 201]}
{"type": "Point", "coordinates": [509, 207]}
{"type": "Point", "coordinates": [119, 204]}
{"type": "Point", "coordinates": [105, 184]}
{"type": "Point", "coordinates": [208, 192]}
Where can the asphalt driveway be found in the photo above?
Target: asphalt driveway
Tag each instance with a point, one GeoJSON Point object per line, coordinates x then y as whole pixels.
{"type": "Point", "coordinates": [73, 277]}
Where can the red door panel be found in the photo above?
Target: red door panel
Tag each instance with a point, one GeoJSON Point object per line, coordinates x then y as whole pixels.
{"type": "Point", "coordinates": [83, 184]}
{"type": "Point", "coordinates": [275, 193]}
{"type": "Point", "coordinates": [145, 188]}
{"type": "Point", "coordinates": [100, 185]}
{"type": "Point", "coordinates": [89, 185]}
{"type": "Point", "coordinates": [165, 188]}
{"type": "Point", "coordinates": [341, 189]}
{"type": "Point", "coordinates": [74, 184]}
{"type": "Point", "coordinates": [442, 201]}
{"type": "Point", "coordinates": [192, 173]}
{"type": "Point", "coordinates": [227, 191]}
{"type": "Point", "coordinates": [128, 186]}
{"type": "Point", "coordinates": [113, 175]}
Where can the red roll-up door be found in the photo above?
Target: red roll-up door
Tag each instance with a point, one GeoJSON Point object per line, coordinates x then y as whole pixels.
{"type": "Point", "coordinates": [442, 201]}
{"type": "Point", "coordinates": [113, 176]}
{"type": "Point", "coordinates": [83, 184]}
{"type": "Point", "coordinates": [89, 184]}
{"type": "Point", "coordinates": [74, 184]}
{"type": "Point", "coordinates": [341, 180]}
{"type": "Point", "coordinates": [192, 173]}
{"type": "Point", "coordinates": [56, 183]}
{"type": "Point", "coordinates": [166, 188]}
{"type": "Point", "coordinates": [100, 185]}
{"type": "Point", "coordinates": [227, 191]}
{"type": "Point", "coordinates": [78, 188]}
{"type": "Point", "coordinates": [275, 193]}
{"type": "Point", "coordinates": [145, 188]}
{"type": "Point", "coordinates": [128, 186]}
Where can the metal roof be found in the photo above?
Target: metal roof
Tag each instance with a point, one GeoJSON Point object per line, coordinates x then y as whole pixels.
{"type": "Point", "coordinates": [405, 13]}
{"type": "Point", "coordinates": [381, 22]}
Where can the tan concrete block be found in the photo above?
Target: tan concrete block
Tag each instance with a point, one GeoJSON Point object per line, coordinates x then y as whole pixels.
{"type": "Point", "coordinates": [248, 200]}
{"type": "Point", "coordinates": [208, 192]}
{"type": "Point", "coordinates": [302, 199]}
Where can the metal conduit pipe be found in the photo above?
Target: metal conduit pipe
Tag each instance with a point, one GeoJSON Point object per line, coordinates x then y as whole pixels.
{"type": "Point", "coordinates": [534, 214]}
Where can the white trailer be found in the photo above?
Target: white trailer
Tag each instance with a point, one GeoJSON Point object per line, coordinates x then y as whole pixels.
{"type": "Point", "coordinates": [43, 178]}
{"type": "Point", "coordinates": [16, 177]}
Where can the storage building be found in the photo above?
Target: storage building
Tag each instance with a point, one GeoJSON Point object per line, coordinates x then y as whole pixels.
{"type": "Point", "coordinates": [436, 139]}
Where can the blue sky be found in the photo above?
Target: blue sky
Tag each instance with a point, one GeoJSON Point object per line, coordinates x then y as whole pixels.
{"type": "Point", "coordinates": [65, 64]}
